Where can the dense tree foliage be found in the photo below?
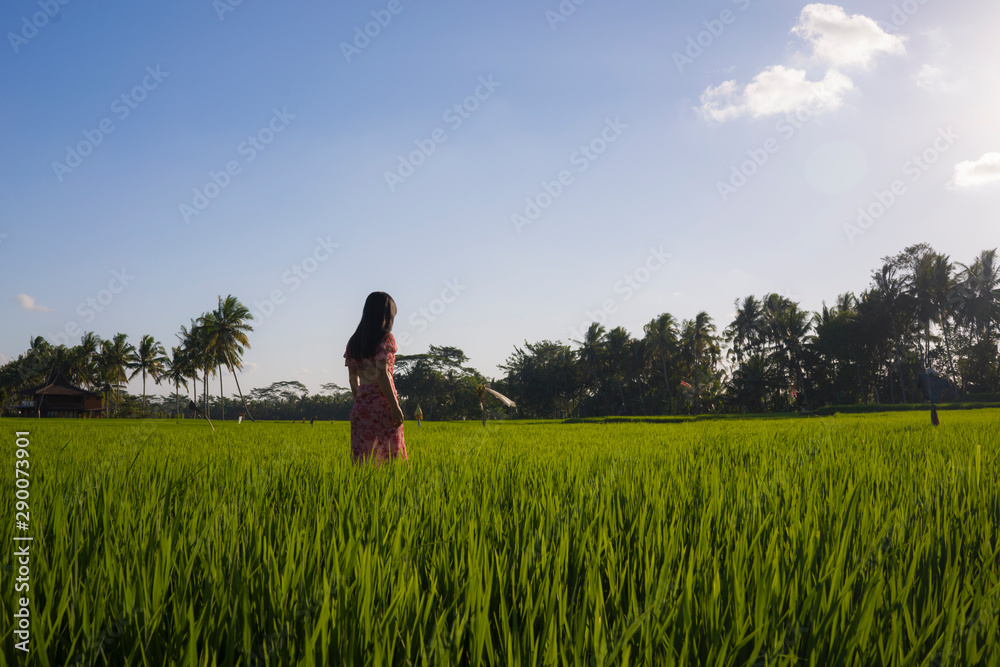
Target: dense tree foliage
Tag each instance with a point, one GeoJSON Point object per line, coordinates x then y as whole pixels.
{"type": "Point", "coordinates": [920, 311]}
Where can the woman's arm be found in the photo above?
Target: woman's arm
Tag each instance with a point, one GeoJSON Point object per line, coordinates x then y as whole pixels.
{"type": "Point", "coordinates": [388, 390]}
{"type": "Point", "coordinates": [353, 372]}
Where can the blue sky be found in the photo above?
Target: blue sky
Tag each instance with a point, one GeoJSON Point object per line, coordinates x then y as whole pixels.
{"type": "Point", "coordinates": [249, 149]}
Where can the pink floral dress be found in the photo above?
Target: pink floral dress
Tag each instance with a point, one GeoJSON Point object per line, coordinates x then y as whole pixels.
{"type": "Point", "coordinates": [372, 431]}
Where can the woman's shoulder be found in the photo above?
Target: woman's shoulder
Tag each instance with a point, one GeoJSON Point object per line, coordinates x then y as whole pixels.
{"type": "Point", "coordinates": [388, 343]}
{"type": "Point", "coordinates": [389, 340]}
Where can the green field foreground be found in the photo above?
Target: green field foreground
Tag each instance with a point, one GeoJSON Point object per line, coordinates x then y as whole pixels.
{"type": "Point", "coordinates": [843, 540]}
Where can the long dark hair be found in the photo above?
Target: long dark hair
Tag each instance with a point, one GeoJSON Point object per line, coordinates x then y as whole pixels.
{"type": "Point", "coordinates": [376, 322]}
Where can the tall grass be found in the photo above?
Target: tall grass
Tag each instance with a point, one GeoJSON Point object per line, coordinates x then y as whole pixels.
{"type": "Point", "coordinates": [861, 539]}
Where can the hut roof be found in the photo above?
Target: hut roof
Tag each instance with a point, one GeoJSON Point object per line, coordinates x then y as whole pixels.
{"type": "Point", "coordinates": [58, 385]}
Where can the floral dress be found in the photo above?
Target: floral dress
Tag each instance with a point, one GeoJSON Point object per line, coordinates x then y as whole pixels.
{"type": "Point", "coordinates": [372, 431]}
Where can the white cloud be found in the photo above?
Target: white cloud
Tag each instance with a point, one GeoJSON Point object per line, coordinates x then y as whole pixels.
{"type": "Point", "coordinates": [837, 39]}
{"type": "Point", "coordinates": [935, 80]}
{"type": "Point", "coordinates": [3, 358]}
{"type": "Point", "coordinates": [776, 90]}
{"type": "Point", "coordinates": [841, 39]}
{"type": "Point", "coordinates": [974, 173]}
{"type": "Point", "coordinates": [28, 303]}
{"type": "Point", "coordinates": [938, 39]}
{"type": "Point", "coordinates": [929, 77]}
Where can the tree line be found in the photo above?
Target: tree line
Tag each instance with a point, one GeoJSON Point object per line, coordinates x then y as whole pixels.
{"type": "Point", "coordinates": [216, 340]}
{"type": "Point", "coordinates": [920, 311]}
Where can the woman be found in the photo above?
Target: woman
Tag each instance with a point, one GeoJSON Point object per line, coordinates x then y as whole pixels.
{"type": "Point", "coordinates": [376, 420]}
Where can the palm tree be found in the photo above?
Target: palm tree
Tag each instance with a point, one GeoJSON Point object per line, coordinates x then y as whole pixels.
{"type": "Point", "coordinates": [176, 371]}
{"type": "Point", "coordinates": [943, 293]}
{"type": "Point", "coordinates": [751, 383]}
{"type": "Point", "coordinates": [36, 364]}
{"type": "Point", "coordinates": [226, 335]}
{"type": "Point", "coordinates": [116, 355]}
{"type": "Point", "coordinates": [981, 286]}
{"type": "Point", "coordinates": [891, 289]}
{"type": "Point", "coordinates": [846, 302]}
{"type": "Point", "coordinates": [149, 357]}
{"type": "Point", "coordinates": [194, 342]}
{"type": "Point", "coordinates": [82, 367]}
{"type": "Point", "coordinates": [190, 353]}
{"type": "Point", "coordinates": [836, 347]}
{"type": "Point", "coordinates": [619, 346]}
{"type": "Point", "coordinates": [662, 342]}
{"type": "Point", "coordinates": [699, 345]}
{"type": "Point", "coordinates": [979, 314]}
{"type": "Point", "coordinates": [790, 329]}
{"type": "Point", "coordinates": [920, 285]}
{"type": "Point", "coordinates": [700, 353]}
{"type": "Point", "coordinates": [212, 361]}
{"type": "Point", "coordinates": [874, 341]}
{"type": "Point", "coordinates": [591, 351]}
{"type": "Point", "coordinates": [747, 331]}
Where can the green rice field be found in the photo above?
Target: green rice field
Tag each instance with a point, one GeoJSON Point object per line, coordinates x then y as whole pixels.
{"type": "Point", "coordinates": [842, 540]}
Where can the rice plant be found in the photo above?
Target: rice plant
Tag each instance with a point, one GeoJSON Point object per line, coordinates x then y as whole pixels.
{"type": "Point", "coordinates": [844, 540]}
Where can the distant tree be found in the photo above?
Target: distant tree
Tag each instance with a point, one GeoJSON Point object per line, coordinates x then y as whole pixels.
{"type": "Point", "coordinates": [150, 358]}
{"type": "Point", "coordinates": [895, 306]}
{"type": "Point", "coordinates": [193, 352]}
{"type": "Point", "coordinates": [592, 354]}
{"type": "Point", "coordinates": [663, 345]}
{"type": "Point", "coordinates": [700, 352]}
{"type": "Point", "coordinates": [920, 310]}
{"type": "Point", "coordinates": [84, 361]}
{"type": "Point", "coordinates": [176, 372]}
{"type": "Point", "coordinates": [979, 288]}
{"type": "Point", "coordinates": [621, 365]}
{"type": "Point", "coordinates": [439, 382]}
{"type": "Point", "coordinates": [545, 377]}
{"type": "Point", "coordinates": [333, 389]}
{"type": "Point", "coordinates": [226, 334]}
{"type": "Point", "coordinates": [115, 359]}
{"type": "Point", "coordinates": [747, 332]}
